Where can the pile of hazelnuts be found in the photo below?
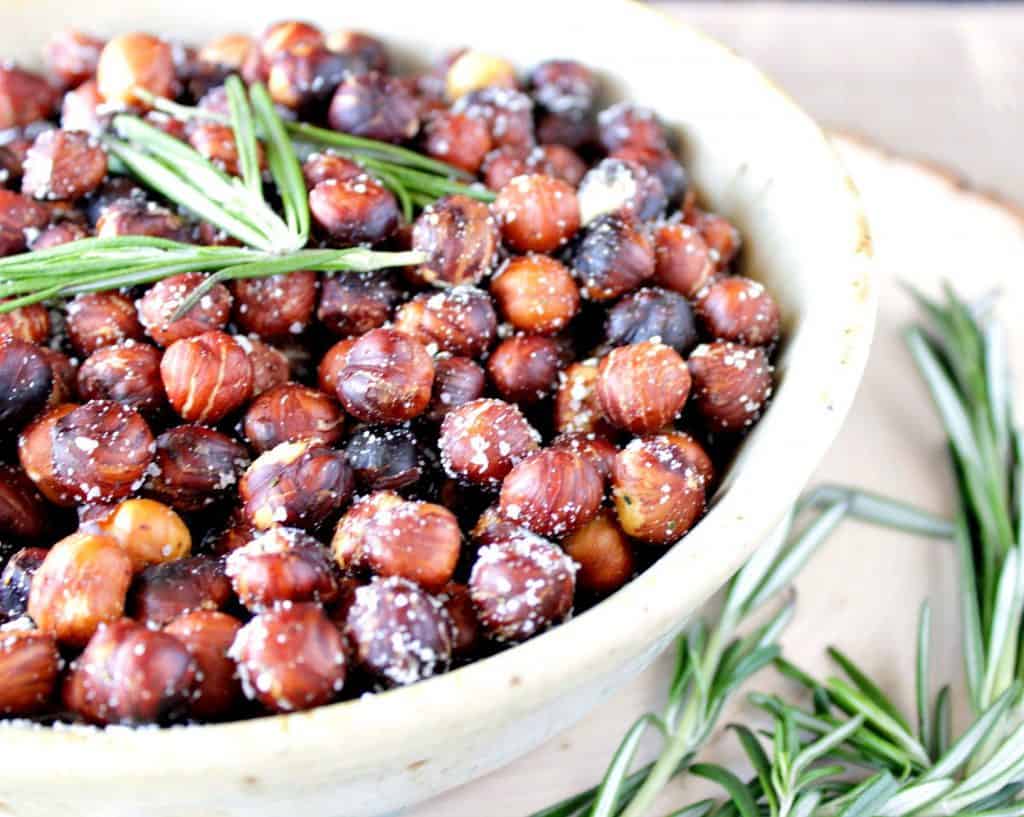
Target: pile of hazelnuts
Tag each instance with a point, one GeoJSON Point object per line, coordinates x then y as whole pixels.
{"type": "Point", "coordinates": [313, 486]}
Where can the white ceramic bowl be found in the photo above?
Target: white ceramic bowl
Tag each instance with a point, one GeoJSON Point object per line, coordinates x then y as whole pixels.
{"type": "Point", "coordinates": [757, 159]}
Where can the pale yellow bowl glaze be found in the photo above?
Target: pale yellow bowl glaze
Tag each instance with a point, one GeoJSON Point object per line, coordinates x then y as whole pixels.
{"type": "Point", "coordinates": [759, 160]}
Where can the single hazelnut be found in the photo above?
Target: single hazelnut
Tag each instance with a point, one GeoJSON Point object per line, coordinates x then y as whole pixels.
{"type": "Point", "coordinates": [536, 293]}
{"type": "Point", "coordinates": [642, 387]}
{"type": "Point", "coordinates": [207, 376]}
{"type": "Point", "coordinates": [164, 591]}
{"type": "Point", "coordinates": [387, 378]}
{"type": "Point", "coordinates": [552, 492]}
{"type": "Point", "coordinates": [208, 636]}
{"type": "Point", "coordinates": [149, 531]}
{"type": "Point", "coordinates": [481, 441]}
{"type": "Point", "coordinates": [292, 412]}
{"type": "Point", "coordinates": [279, 565]}
{"type": "Point", "coordinates": [29, 665]}
{"type": "Point", "coordinates": [537, 213]}
{"type": "Point", "coordinates": [731, 384]}
{"type": "Point", "coordinates": [740, 310]}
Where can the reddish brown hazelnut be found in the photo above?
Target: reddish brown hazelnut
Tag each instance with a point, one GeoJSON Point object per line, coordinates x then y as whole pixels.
{"type": "Point", "coordinates": [281, 564]}
{"type": "Point", "coordinates": [693, 454]}
{"type": "Point", "coordinates": [481, 441]}
{"type": "Point", "coordinates": [139, 217]}
{"type": "Point", "coordinates": [465, 629]}
{"type": "Point", "coordinates": [524, 368]}
{"type": "Point", "coordinates": [457, 381]}
{"type": "Point", "coordinates": [73, 55]}
{"type": "Point", "coordinates": [623, 188]}
{"type": "Point", "coordinates": [626, 123]}
{"type": "Point", "coordinates": [722, 239]}
{"type": "Point", "coordinates": [194, 466]}
{"type": "Point", "coordinates": [163, 592]}
{"type": "Point", "coordinates": [598, 450]}
{"type": "Point", "coordinates": [57, 235]}
{"type": "Point", "coordinates": [460, 239]}
{"type": "Point", "coordinates": [355, 211]}
{"type": "Point", "coordinates": [23, 513]}
{"type": "Point", "coordinates": [503, 164]}
{"type": "Point", "coordinates": [577, 408]}
{"type": "Point", "coordinates": [299, 484]}
{"type": "Point", "coordinates": [682, 260]}
{"type": "Point", "coordinates": [508, 114]}
{"type": "Point", "coordinates": [552, 492]}
{"type": "Point", "coordinates": [612, 258]}
{"type": "Point", "coordinates": [29, 665]}
{"type": "Point", "coordinates": [128, 374]}
{"type": "Point", "coordinates": [399, 633]}
{"type": "Point", "coordinates": [520, 586]}
{"type": "Point", "coordinates": [536, 293]}
{"type": "Point", "coordinates": [353, 303]}
{"type": "Point", "coordinates": [208, 635]}
{"type": "Point", "coordinates": [25, 97]}
{"type": "Point", "coordinates": [135, 61]}
{"type": "Point", "coordinates": [537, 213]}
{"type": "Point", "coordinates": [375, 106]}
{"type": "Point", "coordinates": [63, 165]}
{"type": "Point", "coordinates": [740, 310]}
{"type": "Point", "coordinates": [35, 452]}
{"type": "Point", "coordinates": [30, 324]}
{"type": "Point", "coordinates": [642, 387]}
{"type": "Point", "coordinates": [731, 384]}
{"type": "Point", "coordinates": [16, 582]}
{"type": "Point", "coordinates": [459, 321]}
{"type": "Point", "coordinates": [603, 553]}
{"type": "Point", "coordinates": [270, 366]}
{"type": "Point", "coordinates": [206, 377]}
{"type": "Point", "coordinates": [65, 376]}
{"type": "Point", "coordinates": [385, 458]}
{"type": "Point", "coordinates": [457, 139]}
{"type": "Point", "coordinates": [387, 378]}
{"type": "Point", "coordinates": [277, 306]}
{"type": "Point", "coordinates": [332, 365]}
{"type": "Point", "coordinates": [292, 412]}
{"type": "Point", "coordinates": [160, 303]}
{"type": "Point", "coordinates": [100, 319]}
{"type": "Point", "coordinates": [26, 381]}
{"type": "Point", "coordinates": [82, 582]}
{"type": "Point", "coordinates": [662, 164]}
{"type": "Point", "coordinates": [290, 658]}
{"type": "Point", "coordinates": [20, 216]}
{"type": "Point", "coordinates": [229, 51]}
{"type": "Point", "coordinates": [217, 143]}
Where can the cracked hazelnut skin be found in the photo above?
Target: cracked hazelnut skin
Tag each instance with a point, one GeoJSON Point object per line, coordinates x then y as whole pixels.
{"type": "Point", "coordinates": [604, 554]}
{"type": "Point", "coordinates": [731, 384]}
{"type": "Point", "coordinates": [30, 665]}
{"type": "Point", "coordinates": [291, 658]}
{"type": "Point", "coordinates": [460, 238]}
{"type": "Point", "coordinates": [740, 310]}
{"type": "Point", "coordinates": [537, 213]}
{"type": "Point", "coordinates": [16, 581]}
{"type": "Point", "coordinates": [386, 378]}
{"type": "Point", "coordinates": [281, 564]}
{"type": "Point", "coordinates": [208, 635]}
{"type": "Point", "coordinates": [128, 374]}
{"type": "Point", "coordinates": [129, 674]}
{"type": "Point", "coordinates": [206, 377]}
{"type": "Point", "coordinates": [292, 412]}
{"type": "Point", "coordinates": [536, 293]}
{"type": "Point", "coordinates": [162, 592]}
{"type": "Point", "coordinates": [99, 319]}
{"type": "Point", "coordinates": [194, 466]}
{"type": "Point", "coordinates": [642, 387]}
{"type": "Point", "coordinates": [133, 61]}
{"type": "Point", "coordinates": [552, 492]}
{"type": "Point", "coordinates": [459, 321]}
{"type": "Point", "coordinates": [481, 441]}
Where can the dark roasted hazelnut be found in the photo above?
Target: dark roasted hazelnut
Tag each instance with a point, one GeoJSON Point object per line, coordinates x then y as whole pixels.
{"type": "Point", "coordinates": [576, 130]}
{"type": "Point", "coordinates": [563, 85]}
{"type": "Point", "coordinates": [642, 387]}
{"type": "Point", "coordinates": [289, 36]}
{"type": "Point", "coordinates": [139, 217]}
{"type": "Point", "coordinates": [552, 492]}
{"type": "Point", "coordinates": [29, 665]}
{"type": "Point", "coordinates": [65, 376]}
{"type": "Point", "coordinates": [536, 293]}
{"type": "Point", "coordinates": [290, 658]}
{"type": "Point", "coordinates": [652, 314]}
{"type": "Point", "coordinates": [366, 52]}
{"type": "Point", "coordinates": [634, 125]}
{"type": "Point", "coordinates": [662, 165]}
{"type": "Point", "coordinates": [281, 565]}
{"type": "Point", "coordinates": [731, 384]}
{"type": "Point", "coordinates": [305, 79]}
{"type": "Point", "coordinates": [299, 484]}
{"type": "Point", "coordinates": [25, 97]}
{"type": "Point", "coordinates": [612, 258]}
{"type": "Point", "coordinates": [521, 585]}
{"type": "Point", "coordinates": [23, 514]}
{"type": "Point", "coordinates": [577, 408]}
{"type": "Point", "coordinates": [113, 190]}
{"type": "Point", "coordinates": [148, 531]}
{"type": "Point", "coordinates": [208, 635]}
{"type": "Point", "coordinates": [26, 380]}
{"type": "Point", "coordinates": [459, 321]}
{"type": "Point", "coordinates": [163, 592]}
{"type": "Point", "coordinates": [465, 628]}
{"type": "Point", "coordinates": [481, 441]}
{"type": "Point", "coordinates": [374, 106]}
{"type": "Point", "coordinates": [508, 114]}
{"type": "Point", "coordinates": [30, 324]}
{"type": "Point", "coordinates": [100, 319]}
{"type": "Point", "coordinates": [10, 167]}
{"type": "Point", "coordinates": [270, 366]}
{"type": "Point", "coordinates": [158, 306]}
{"type": "Point", "coordinates": [623, 188]}
{"type": "Point", "coordinates": [473, 70]}
{"type": "Point", "coordinates": [217, 143]}
{"type": "Point", "coordinates": [524, 368]}
{"type": "Point", "coordinates": [129, 674]}
{"type": "Point", "coordinates": [82, 582]}
{"type": "Point", "coordinates": [206, 377]}
{"type": "Point", "coordinates": [387, 378]}
{"type": "Point", "coordinates": [128, 374]}
{"type": "Point", "coordinates": [63, 165]}
{"type": "Point", "coordinates": [603, 553]}
{"type": "Point", "coordinates": [292, 412]}
{"type": "Point", "coordinates": [20, 218]}
{"type": "Point", "coordinates": [132, 62]}
{"type": "Point", "coordinates": [16, 582]}
{"type": "Point", "coordinates": [354, 303]}
{"type": "Point", "coordinates": [355, 211]}
{"type": "Point", "coordinates": [457, 380]}
{"type": "Point", "coordinates": [399, 633]}
{"type": "Point", "coordinates": [537, 213]}
{"type": "Point", "coordinates": [599, 450]}
{"type": "Point", "coordinates": [658, 489]}
{"type": "Point", "coordinates": [193, 467]}
{"type": "Point", "coordinates": [332, 365]}
{"type": "Point", "coordinates": [73, 55]}
{"type": "Point", "coordinates": [391, 536]}
{"type": "Point", "coordinates": [35, 452]}
{"type": "Point", "coordinates": [57, 235]}
{"type": "Point", "coordinates": [277, 306]}
{"type": "Point", "coordinates": [384, 458]}
{"type": "Point", "coordinates": [723, 240]}
{"type": "Point", "coordinates": [740, 310]}
{"type": "Point", "coordinates": [457, 139]}
{"type": "Point", "coordinates": [460, 239]}
{"type": "Point", "coordinates": [683, 261]}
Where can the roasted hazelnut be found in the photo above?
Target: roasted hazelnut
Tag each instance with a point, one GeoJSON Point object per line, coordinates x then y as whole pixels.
{"type": "Point", "coordinates": [129, 674]}
{"type": "Point", "coordinates": [731, 384]}
{"type": "Point", "coordinates": [299, 484]}
{"type": "Point", "coordinates": [354, 211]}
{"type": "Point", "coordinates": [552, 492]}
{"type": "Point", "coordinates": [399, 633]}
{"type": "Point", "coordinates": [577, 408]}
{"type": "Point", "coordinates": [384, 458]}
{"type": "Point", "coordinates": [208, 635]}
{"type": "Point", "coordinates": [100, 451]}
{"type": "Point", "coordinates": [662, 165]}
{"type": "Point", "coordinates": [277, 306]}
{"type": "Point", "coordinates": [558, 161]}
{"type": "Point", "coordinates": [642, 387]}
{"type": "Point", "coordinates": [603, 553]}
{"type": "Point", "coordinates": [634, 125]}
{"type": "Point", "coordinates": [305, 79]}
{"type": "Point", "coordinates": [723, 240]}
{"type": "Point", "coordinates": [133, 61]}
{"type": "Point", "coordinates": [524, 368]}
{"type": "Point", "coordinates": [290, 658]}
{"type": "Point", "coordinates": [459, 321]}
{"type": "Point", "coordinates": [682, 260]}
{"type": "Point", "coordinates": [280, 565]}
{"type": "Point", "coordinates": [292, 412]}
{"type": "Point", "coordinates": [536, 293]}
{"type": "Point", "coordinates": [230, 51]}
{"type": "Point", "coordinates": [139, 217]}
{"type": "Point", "coordinates": [157, 308]}
{"type": "Point", "coordinates": [503, 164]}
{"type": "Point", "coordinates": [16, 582]}
{"type": "Point", "coordinates": [114, 190]}
{"type": "Point", "coordinates": [100, 319]}
{"type": "Point", "coordinates": [740, 310]}
{"type": "Point", "coordinates": [149, 531]}
{"type": "Point", "coordinates": [162, 592]}
{"type": "Point", "coordinates": [508, 114]}
{"type": "Point", "coordinates": [652, 314]}
{"type": "Point", "coordinates": [25, 97]}
{"type": "Point", "coordinates": [65, 376]}
{"type": "Point", "coordinates": [332, 365]}
{"type": "Point", "coordinates": [492, 527]}
{"type": "Point", "coordinates": [693, 453]}
{"type": "Point", "coordinates": [457, 139]}
{"type": "Point", "coordinates": [374, 106]}
{"type": "Point", "coordinates": [366, 52]}
{"type": "Point", "coordinates": [57, 235]}
{"type": "Point", "coordinates": [595, 448]}
{"type": "Point", "coordinates": [465, 629]}
{"type": "Point", "coordinates": [354, 303]}
{"type": "Point", "coordinates": [23, 514]}
{"type": "Point", "coordinates": [193, 467]}
{"type": "Point", "coordinates": [82, 582]}
{"type": "Point", "coordinates": [35, 452]}
{"type": "Point", "coordinates": [658, 489]}
{"type": "Point", "coordinates": [289, 36]}
{"type": "Point", "coordinates": [20, 217]}
{"type": "Point", "coordinates": [623, 188]}
{"type": "Point", "coordinates": [520, 586]}
{"type": "Point", "coordinates": [30, 324]}
{"type": "Point", "coordinates": [217, 143]}
{"type": "Point", "coordinates": [63, 165]}
{"type": "Point", "coordinates": [206, 377]}
{"type": "Point", "coordinates": [457, 380]}
{"type": "Point", "coordinates": [481, 441]}
{"type": "Point", "coordinates": [319, 167]}
{"type": "Point", "coordinates": [537, 213]}
{"type": "Point", "coordinates": [460, 239]}
{"type": "Point", "coordinates": [576, 130]}
{"type": "Point", "coordinates": [26, 380]}
{"type": "Point", "coordinates": [612, 258]}
{"type": "Point", "coordinates": [73, 55]}
{"type": "Point", "coordinates": [29, 665]}
{"type": "Point", "coordinates": [391, 536]}
{"type": "Point", "coordinates": [473, 70]}
{"type": "Point", "coordinates": [270, 366]}
{"type": "Point", "coordinates": [387, 378]}
{"type": "Point", "coordinates": [563, 85]}
{"type": "Point", "coordinates": [128, 374]}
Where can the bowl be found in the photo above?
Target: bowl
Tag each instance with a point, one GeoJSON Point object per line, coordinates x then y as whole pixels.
{"type": "Point", "coordinates": [757, 159]}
